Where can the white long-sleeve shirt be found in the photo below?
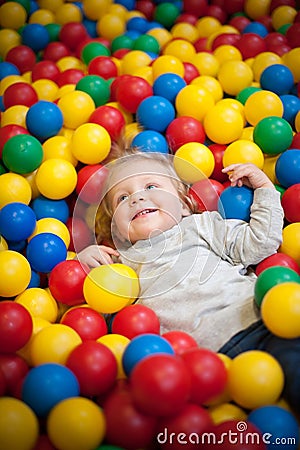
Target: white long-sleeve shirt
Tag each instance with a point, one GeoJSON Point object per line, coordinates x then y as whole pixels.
{"type": "Point", "coordinates": [194, 275]}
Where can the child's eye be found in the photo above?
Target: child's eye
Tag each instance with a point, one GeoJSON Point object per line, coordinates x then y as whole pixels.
{"type": "Point", "coordinates": [122, 198]}
{"type": "Point", "coordinates": [150, 186]}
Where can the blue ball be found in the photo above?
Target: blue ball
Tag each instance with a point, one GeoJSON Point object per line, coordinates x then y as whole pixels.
{"type": "Point", "coordinates": [17, 246]}
{"type": "Point", "coordinates": [7, 68]}
{"type": "Point", "coordinates": [35, 36]}
{"type": "Point", "coordinates": [278, 79]}
{"type": "Point", "coordinates": [44, 207]}
{"type": "Point", "coordinates": [168, 85]}
{"type": "Point", "coordinates": [44, 251]}
{"type": "Point", "coordinates": [35, 280]}
{"type": "Point", "coordinates": [279, 427]}
{"type": "Point", "coordinates": [150, 141]}
{"type": "Point", "coordinates": [291, 107]}
{"type": "Point", "coordinates": [155, 113]}
{"type": "Point", "coordinates": [128, 4]}
{"type": "Point", "coordinates": [235, 203]}
{"type": "Point", "coordinates": [44, 120]}
{"type": "Point", "coordinates": [46, 385]}
{"type": "Point", "coordinates": [17, 221]}
{"type": "Point", "coordinates": [287, 168]}
{"type": "Point", "coordinates": [91, 27]}
{"type": "Point", "coordinates": [144, 345]}
{"type": "Point", "coordinates": [137, 24]}
{"type": "Point", "coordinates": [256, 28]}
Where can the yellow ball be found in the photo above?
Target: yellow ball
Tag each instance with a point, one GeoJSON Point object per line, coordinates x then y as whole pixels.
{"type": "Point", "coordinates": [206, 63]}
{"type": "Point", "coordinates": [19, 426]}
{"type": "Point", "coordinates": [42, 16]}
{"type": "Point", "coordinates": [3, 244]}
{"type": "Point", "coordinates": [39, 303]}
{"type": "Point", "coordinates": [297, 122]}
{"type": "Point", "coordinates": [52, 5]}
{"type": "Point", "coordinates": [226, 411]}
{"type": "Point", "coordinates": [262, 61]}
{"type": "Point", "coordinates": [134, 60]}
{"type": "Point", "coordinates": [226, 52]}
{"type": "Point", "coordinates": [69, 62]}
{"type": "Point", "coordinates": [269, 168]}
{"type": "Point", "coordinates": [54, 344]}
{"type": "Point", "coordinates": [67, 13]}
{"type": "Point", "coordinates": [291, 241]}
{"type": "Point", "coordinates": [209, 83]}
{"type": "Point", "coordinates": [111, 287]}
{"type": "Point", "coordinates": [185, 30]}
{"type": "Point", "coordinates": [283, 15]}
{"type": "Point", "coordinates": [59, 147]}
{"type": "Point", "coordinates": [181, 49]}
{"type": "Point", "coordinates": [194, 101]}
{"type": "Point", "coordinates": [223, 124]}
{"type": "Point", "coordinates": [291, 59]}
{"type": "Point", "coordinates": [117, 343]}
{"type": "Point", "coordinates": [207, 26]}
{"type": "Point", "coordinates": [235, 76]}
{"type": "Point", "coordinates": [94, 9]}
{"type": "Point", "coordinates": [76, 423]}
{"type": "Point", "coordinates": [193, 162]}
{"type": "Point", "coordinates": [255, 379]}
{"type": "Point", "coordinates": [15, 273]}
{"type": "Point", "coordinates": [242, 151]}
{"type": "Point", "coordinates": [280, 310]}
{"type": "Point", "coordinates": [262, 104]}
{"type": "Point", "coordinates": [52, 225]}
{"type": "Point", "coordinates": [38, 324]}
{"type": "Point", "coordinates": [12, 15]}
{"type": "Point", "coordinates": [56, 178]}
{"type": "Point", "coordinates": [15, 115]}
{"type": "Point", "coordinates": [8, 39]}
{"type": "Point", "coordinates": [257, 8]}
{"type": "Point", "coordinates": [77, 107]}
{"type": "Point", "coordinates": [45, 89]}
{"type": "Point", "coordinates": [110, 26]}
{"type": "Point", "coordinates": [14, 188]}
{"type": "Point", "coordinates": [90, 143]}
{"type": "Point", "coordinates": [162, 35]}
{"type": "Point", "coordinates": [167, 63]}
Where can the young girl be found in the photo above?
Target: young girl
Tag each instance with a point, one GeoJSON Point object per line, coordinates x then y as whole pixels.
{"type": "Point", "coordinates": [194, 269]}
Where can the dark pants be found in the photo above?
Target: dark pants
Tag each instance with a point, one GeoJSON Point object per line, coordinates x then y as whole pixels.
{"type": "Point", "coordinates": [286, 351]}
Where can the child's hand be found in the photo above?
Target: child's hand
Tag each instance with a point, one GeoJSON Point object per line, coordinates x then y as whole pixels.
{"type": "Point", "coordinates": [95, 255]}
{"type": "Point", "coordinates": [249, 175]}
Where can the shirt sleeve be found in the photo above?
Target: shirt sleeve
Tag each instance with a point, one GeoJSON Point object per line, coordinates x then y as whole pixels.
{"type": "Point", "coordinates": [245, 243]}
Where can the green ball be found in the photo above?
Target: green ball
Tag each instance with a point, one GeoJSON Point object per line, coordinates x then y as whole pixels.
{"type": "Point", "coordinates": [122, 41]}
{"type": "Point", "coordinates": [22, 153]}
{"type": "Point", "coordinates": [96, 87]}
{"type": "Point", "coordinates": [273, 135]}
{"type": "Point", "coordinates": [2, 169]}
{"type": "Point", "coordinates": [245, 93]}
{"type": "Point", "coordinates": [166, 14]}
{"type": "Point", "coordinates": [92, 50]}
{"type": "Point", "coordinates": [146, 43]}
{"type": "Point", "coordinates": [53, 30]}
{"type": "Point", "coordinates": [271, 277]}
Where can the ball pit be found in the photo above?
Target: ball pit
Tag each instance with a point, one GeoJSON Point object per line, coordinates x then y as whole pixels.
{"type": "Point", "coordinates": [212, 86]}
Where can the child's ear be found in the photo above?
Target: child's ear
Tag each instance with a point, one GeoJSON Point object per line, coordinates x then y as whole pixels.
{"type": "Point", "coordinates": [185, 210]}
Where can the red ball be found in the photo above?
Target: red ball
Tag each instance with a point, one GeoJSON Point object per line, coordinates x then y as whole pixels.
{"type": "Point", "coordinates": [55, 51]}
{"type": "Point", "coordinates": [160, 385]}
{"type": "Point", "coordinates": [120, 53]}
{"type": "Point", "coordinates": [94, 366]}
{"type": "Point", "coordinates": [182, 130]}
{"type": "Point", "coordinates": [23, 57]}
{"type": "Point", "coordinates": [290, 202]}
{"type": "Point", "coordinates": [224, 432]}
{"type": "Point", "coordinates": [278, 259]}
{"type": "Point", "coordinates": [19, 94]}
{"type": "Point", "coordinates": [45, 69]}
{"type": "Point", "coordinates": [276, 3]}
{"type": "Point", "coordinates": [206, 193]}
{"type": "Point", "coordinates": [90, 183]}
{"type": "Point", "coordinates": [134, 320]}
{"type": "Point", "coordinates": [239, 22]}
{"type": "Point", "coordinates": [66, 282]}
{"type": "Point", "coordinates": [274, 38]}
{"type": "Point", "coordinates": [180, 341]}
{"type": "Point", "coordinates": [201, 46]}
{"type": "Point", "coordinates": [69, 76]}
{"type": "Point", "coordinates": [196, 7]}
{"type": "Point", "coordinates": [218, 152]}
{"type": "Point", "coordinates": [14, 369]}
{"type": "Point", "coordinates": [87, 322]}
{"type": "Point", "coordinates": [9, 131]}
{"type": "Point", "coordinates": [72, 34]}
{"type": "Point", "coordinates": [193, 420]}
{"type": "Point", "coordinates": [80, 234]}
{"type": "Point", "coordinates": [190, 72]}
{"type": "Point", "coordinates": [234, 6]}
{"type": "Point", "coordinates": [187, 18]}
{"type": "Point", "coordinates": [225, 39]}
{"type": "Point", "coordinates": [293, 35]}
{"type": "Point", "coordinates": [2, 383]}
{"type": "Point", "coordinates": [110, 118]}
{"type": "Point", "coordinates": [103, 66]}
{"type": "Point", "coordinates": [208, 374]}
{"type": "Point", "coordinates": [117, 81]}
{"type": "Point", "coordinates": [127, 426]}
{"type": "Point", "coordinates": [217, 12]}
{"type": "Point", "coordinates": [296, 138]}
{"type": "Point", "coordinates": [132, 91]}
{"type": "Point", "coordinates": [15, 326]}
{"type": "Point", "coordinates": [250, 45]}
{"type": "Point", "coordinates": [146, 7]}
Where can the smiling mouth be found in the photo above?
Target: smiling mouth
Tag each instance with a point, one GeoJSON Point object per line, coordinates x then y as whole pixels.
{"type": "Point", "coordinates": [143, 213]}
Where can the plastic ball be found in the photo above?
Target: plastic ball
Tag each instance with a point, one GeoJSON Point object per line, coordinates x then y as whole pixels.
{"type": "Point", "coordinates": [278, 259]}
{"type": "Point", "coordinates": [134, 320]}
{"type": "Point", "coordinates": [16, 326]}
{"type": "Point", "coordinates": [290, 59]}
{"type": "Point", "coordinates": [166, 14]}
{"type": "Point", "coordinates": [44, 119]}
{"type": "Point", "coordinates": [183, 130]}
{"type": "Point", "coordinates": [235, 76]}
{"type": "Point", "coordinates": [56, 209]}
{"type": "Point", "coordinates": [46, 385]}
{"type": "Point", "coordinates": [283, 76]}
{"type": "Point", "coordinates": [52, 225]}
{"type": "Point", "coordinates": [96, 87]}
{"type": "Point", "coordinates": [15, 115]}
{"type": "Point", "coordinates": [283, 426]}
{"type": "Point", "coordinates": [290, 241]}
{"type": "Point", "coordinates": [288, 168]}
{"type": "Point", "coordinates": [117, 343]}
{"type": "Point", "coordinates": [168, 85]}
{"type": "Point", "coordinates": [194, 101]}
{"type": "Point", "coordinates": [255, 379]}
{"type": "Point", "coordinates": [93, 49]}
{"type": "Point", "coordinates": [290, 201]}
{"type": "Point", "coordinates": [193, 161]}
{"type": "Point", "coordinates": [66, 282]}
{"type": "Point", "coordinates": [45, 70]}
{"type": "Point", "coordinates": [45, 251]}
{"type": "Point", "coordinates": [262, 104]}
{"type": "Point", "coordinates": [76, 107]}
{"type": "Point", "coordinates": [180, 341]}
{"type": "Point", "coordinates": [273, 135]}
{"type": "Point", "coordinates": [95, 367]}
{"type": "Point", "coordinates": [22, 153]}
{"type": "Point", "coordinates": [14, 188]}
{"type": "Point", "coordinates": [39, 302]}
{"type": "Point", "coordinates": [16, 273]}
{"type": "Point", "coordinates": [19, 94]}
{"type": "Point", "coordinates": [56, 178]}
{"type": "Point", "coordinates": [243, 151]}
{"type": "Point", "coordinates": [223, 124]}
{"type": "Point", "coordinates": [19, 427]}
{"type": "Point", "coordinates": [132, 91]}
{"type": "Point", "coordinates": [210, 84]}
{"type": "Point", "coordinates": [90, 143]}
{"type": "Point", "coordinates": [181, 49]}
{"type": "Point", "coordinates": [88, 323]}
{"type": "Point", "coordinates": [17, 221]}
{"type": "Point", "coordinates": [109, 288]}
{"type": "Point", "coordinates": [13, 15]}
{"type": "Point", "coordinates": [77, 424]}
{"type": "Point", "coordinates": [90, 184]}
{"type": "Point", "coordinates": [150, 141]}
{"type": "Point", "coordinates": [8, 131]}
{"type": "Point", "coordinates": [111, 119]}
{"type": "Point", "coordinates": [235, 203]}
{"type": "Point", "coordinates": [59, 147]}
{"type": "Point", "coordinates": [155, 113]}
{"type": "Point", "coordinates": [270, 277]}
{"type": "Point", "coordinates": [35, 36]}
{"type": "Point", "coordinates": [206, 193]}
{"type": "Point", "coordinates": [23, 57]}
{"type": "Point", "coordinates": [291, 108]}
{"type": "Point", "coordinates": [167, 64]}
{"type": "Point", "coordinates": [280, 306]}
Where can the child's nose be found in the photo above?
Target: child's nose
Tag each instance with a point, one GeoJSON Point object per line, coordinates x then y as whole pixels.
{"type": "Point", "coordinates": [137, 197]}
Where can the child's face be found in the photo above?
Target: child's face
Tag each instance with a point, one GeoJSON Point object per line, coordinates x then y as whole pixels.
{"type": "Point", "coordinates": [145, 201]}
